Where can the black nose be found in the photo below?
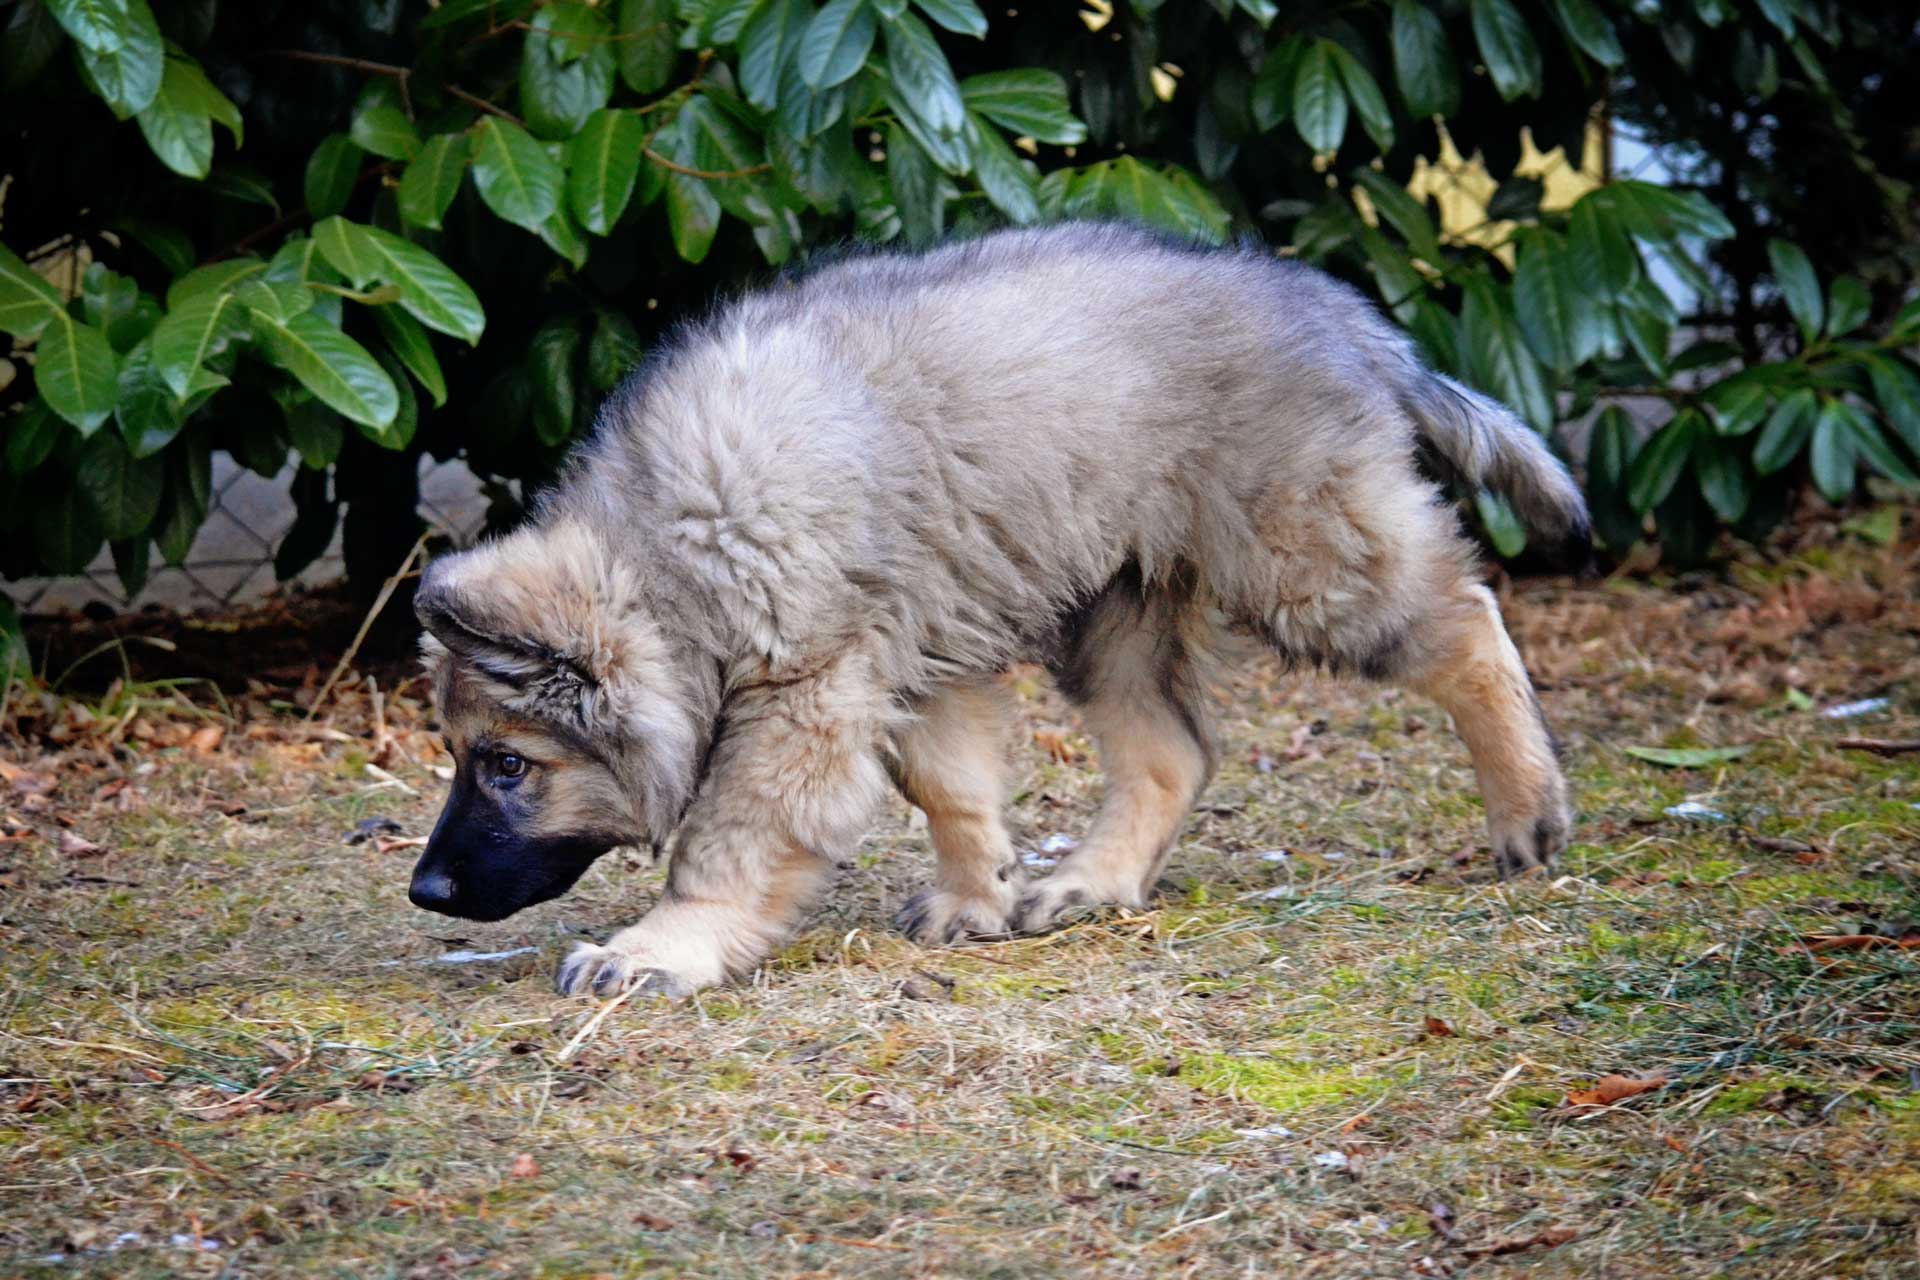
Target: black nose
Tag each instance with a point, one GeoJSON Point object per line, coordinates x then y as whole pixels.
{"type": "Point", "coordinates": [432, 890]}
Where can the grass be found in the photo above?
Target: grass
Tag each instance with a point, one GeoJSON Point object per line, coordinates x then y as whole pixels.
{"type": "Point", "coordinates": [227, 1028]}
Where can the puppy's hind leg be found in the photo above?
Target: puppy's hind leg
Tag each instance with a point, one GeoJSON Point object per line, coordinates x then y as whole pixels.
{"type": "Point", "coordinates": [1469, 666]}
{"type": "Point", "coordinates": [1132, 668]}
{"type": "Point", "coordinates": [953, 768]}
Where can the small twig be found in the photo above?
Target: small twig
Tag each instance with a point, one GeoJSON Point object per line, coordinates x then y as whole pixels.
{"type": "Point", "coordinates": [479, 103]}
{"type": "Point", "coordinates": [366, 624]}
{"type": "Point", "coordinates": [1879, 746]}
{"type": "Point", "coordinates": [592, 1024]}
{"type": "Point", "coordinates": [194, 1160]}
{"type": "Point", "coordinates": [665, 163]}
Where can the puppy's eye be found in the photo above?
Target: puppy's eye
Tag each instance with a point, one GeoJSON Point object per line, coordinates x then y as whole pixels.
{"type": "Point", "coordinates": [511, 766]}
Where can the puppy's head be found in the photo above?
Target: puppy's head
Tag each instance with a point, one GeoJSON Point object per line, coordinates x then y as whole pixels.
{"type": "Point", "coordinates": [566, 713]}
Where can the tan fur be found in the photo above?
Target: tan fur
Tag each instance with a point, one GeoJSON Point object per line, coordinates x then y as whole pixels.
{"type": "Point", "coordinates": [826, 519]}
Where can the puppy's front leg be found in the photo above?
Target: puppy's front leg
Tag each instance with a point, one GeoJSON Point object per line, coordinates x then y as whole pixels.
{"type": "Point", "coordinates": [793, 781]}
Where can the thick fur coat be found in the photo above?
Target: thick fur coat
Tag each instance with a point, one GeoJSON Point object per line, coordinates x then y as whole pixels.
{"type": "Point", "coordinates": [805, 538]}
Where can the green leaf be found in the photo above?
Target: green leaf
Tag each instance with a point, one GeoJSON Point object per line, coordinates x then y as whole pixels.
{"type": "Point", "coordinates": [566, 68]}
{"type": "Point", "coordinates": [1663, 460]}
{"type": "Point", "coordinates": [768, 42]}
{"type": "Point", "coordinates": [1541, 303]}
{"type": "Point", "coordinates": [1896, 388]}
{"type": "Point", "coordinates": [1508, 49]}
{"type": "Point", "coordinates": [922, 75]}
{"type": "Point", "coordinates": [614, 349]}
{"type": "Point", "coordinates": [408, 341]}
{"type": "Point", "coordinates": [429, 290]}
{"type": "Point", "coordinates": [1687, 757]}
{"type": "Point", "coordinates": [603, 163]}
{"type": "Point", "coordinates": [1737, 404]}
{"type": "Point", "coordinates": [1848, 306]}
{"type": "Point", "coordinates": [176, 123]}
{"type": "Point", "coordinates": [216, 277]}
{"type": "Point", "coordinates": [645, 44]}
{"type": "Point", "coordinates": [1497, 354]}
{"type": "Point", "coordinates": [1497, 517]}
{"type": "Point", "coordinates": [1832, 452]}
{"type": "Point", "coordinates": [348, 250]}
{"type": "Point", "coordinates": [98, 26]}
{"type": "Point", "coordinates": [76, 372]}
{"type": "Point", "coordinates": [693, 216]}
{"type": "Point", "coordinates": [1602, 252]}
{"type": "Point", "coordinates": [1008, 183]}
{"type": "Point", "coordinates": [123, 490]}
{"type": "Point", "coordinates": [66, 529]}
{"type": "Point", "coordinates": [31, 435]}
{"type": "Point", "coordinates": [1271, 100]}
{"type": "Point", "coordinates": [1648, 329]}
{"type": "Point", "coordinates": [1793, 273]}
{"type": "Point", "coordinates": [1786, 432]}
{"type": "Point", "coordinates": [333, 366]}
{"type": "Point", "coordinates": [406, 419]}
{"type": "Point", "coordinates": [121, 54]}
{"type": "Point", "coordinates": [1870, 444]}
{"type": "Point", "coordinates": [384, 131]}
{"type": "Point", "coordinates": [561, 234]}
{"type": "Point", "coordinates": [28, 42]}
{"type": "Point", "coordinates": [1424, 65]}
{"type": "Point", "coordinates": [962, 17]}
{"type": "Point", "coordinates": [169, 246]}
{"type": "Point", "coordinates": [332, 171]}
{"type": "Point", "coordinates": [1403, 213]}
{"type": "Point", "coordinates": [1610, 452]}
{"type": "Point", "coordinates": [917, 188]}
{"type": "Point", "coordinates": [428, 186]}
{"type": "Point", "coordinates": [200, 327]}
{"type": "Point", "coordinates": [1663, 215]}
{"type": "Point", "coordinates": [1590, 29]}
{"type": "Point", "coordinates": [1364, 92]}
{"type": "Point", "coordinates": [27, 300]}
{"type": "Point", "coordinates": [317, 433]}
{"type": "Point", "coordinates": [837, 42]}
{"type": "Point", "coordinates": [712, 141]}
{"type": "Point", "coordinates": [1319, 102]}
{"type": "Point", "coordinates": [518, 180]}
{"type": "Point", "coordinates": [148, 413]}
{"type": "Point", "coordinates": [551, 359]}
{"type": "Point", "coordinates": [1720, 465]}
{"type": "Point", "coordinates": [1026, 103]}
{"type": "Point", "coordinates": [112, 304]}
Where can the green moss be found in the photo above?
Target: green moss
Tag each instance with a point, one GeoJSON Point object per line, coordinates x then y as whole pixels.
{"type": "Point", "coordinates": [1751, 1095]}
{"type": "Point", "coordinates": [1278, 1084]}
{"type": "Point", "coordinates": [1517, 1109]}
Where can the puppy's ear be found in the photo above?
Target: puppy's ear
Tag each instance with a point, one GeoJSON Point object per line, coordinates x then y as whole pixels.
{"type": "Point", "coordinates": [457, 607]}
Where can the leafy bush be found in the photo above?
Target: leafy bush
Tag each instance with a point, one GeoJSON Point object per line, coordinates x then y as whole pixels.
{"type": "Point", "coordinates": [359, 231]}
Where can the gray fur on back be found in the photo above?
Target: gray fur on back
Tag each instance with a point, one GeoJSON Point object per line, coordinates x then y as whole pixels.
{"type": "Point", "coordinates": [944, 453]}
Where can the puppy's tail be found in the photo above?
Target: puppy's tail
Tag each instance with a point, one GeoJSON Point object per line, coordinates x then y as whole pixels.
{"type": "Point", "coordinates": [1487, 446]}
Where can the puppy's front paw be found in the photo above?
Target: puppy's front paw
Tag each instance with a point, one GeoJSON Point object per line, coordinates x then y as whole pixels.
{"type": "Point", "coordinates": [938, 918]}
{"type": "Point", "coordinates": [604, 971]}
{"type": "Point", "coordinates": [1528, 845]}
{"type": "Point", "coordinates": [1054, 902]}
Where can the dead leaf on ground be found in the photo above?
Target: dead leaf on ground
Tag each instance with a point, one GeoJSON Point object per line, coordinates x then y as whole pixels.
{"type": "Point", "coordinates": [74, 846]}
{"type": "Point", "coordinates": [1438, 1028]}
{"type": "Point", "coordinates": [1548, 1239]}
{"type": "Point", "coordinates": [1610, 1090]}
{"type": "Point", "coordinates": [1819, 942]}
{"type": "Point", "coordinates": [206, 741]}
{"type": "Point", "coordinates": [28, 782]}
{"type": "Point", "coordinates": [524, 1166]}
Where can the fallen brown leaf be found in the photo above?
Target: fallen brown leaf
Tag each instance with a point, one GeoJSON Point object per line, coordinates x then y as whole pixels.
{"type": "Point", "coordinates": [1548, 1239]}
{"type": "Point", "coordinates": [1436, 1027]}
{"type": "Point", "coordinates": [1056, 744]}
{"type": "Point", "coordinates": [1610, 1090]}
{"type": "Point", "coordinates": [204, 742]}
{"type": "Point", "coordinates": [1851, 942]}
{"type": "Point", "coordinates": [524, 1166]}
{"type": "Point", "coordinates": [74, 846]}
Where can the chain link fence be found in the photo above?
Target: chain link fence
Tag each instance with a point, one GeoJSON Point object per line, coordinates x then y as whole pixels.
{"type": "Point", "coordinates": [231, 563]}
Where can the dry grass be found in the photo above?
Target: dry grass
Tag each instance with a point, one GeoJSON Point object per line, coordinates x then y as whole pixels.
{"type": "Point", "coordinates": [228, 1027]}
